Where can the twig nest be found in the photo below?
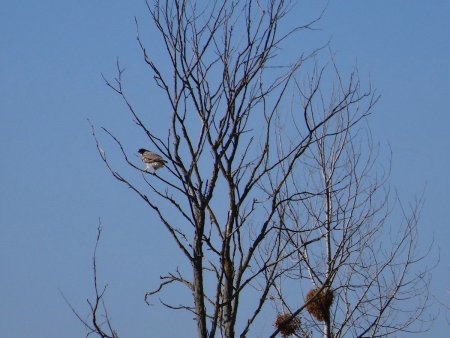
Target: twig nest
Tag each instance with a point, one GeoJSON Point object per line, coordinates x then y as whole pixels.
{"type": "Point", "coordinates": [319, 303]}
{"type": "Point", "coordinates": [287, 325]}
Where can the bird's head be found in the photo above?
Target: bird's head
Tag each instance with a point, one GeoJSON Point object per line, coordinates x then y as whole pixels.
{"type": "Point", "coordinates": [142, 150]}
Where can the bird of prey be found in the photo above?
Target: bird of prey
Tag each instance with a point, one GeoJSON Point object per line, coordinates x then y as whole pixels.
{"type": "Point", "coordinates": [151, 159]}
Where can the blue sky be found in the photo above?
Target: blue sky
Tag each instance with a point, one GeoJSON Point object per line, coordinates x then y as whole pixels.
{"type": "Point", "coordinates": [54, 188]}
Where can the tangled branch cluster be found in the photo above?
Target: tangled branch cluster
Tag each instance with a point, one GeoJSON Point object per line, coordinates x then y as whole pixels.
{"type": "Point", "coordinates": [319, 303]}
{"type": "Point", "coordinates": [287, 325]}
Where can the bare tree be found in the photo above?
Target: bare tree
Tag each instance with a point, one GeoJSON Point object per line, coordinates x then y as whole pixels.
{"type": "Point", "coordinates": [237, 146]}
{"type": "Point", "coordinates": [356, 260]}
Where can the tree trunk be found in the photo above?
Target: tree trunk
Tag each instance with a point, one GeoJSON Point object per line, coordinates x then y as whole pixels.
{"type": "Point", "coordinates": [199, 298]}
{"type": "Point", "coordinates": [197, 264]}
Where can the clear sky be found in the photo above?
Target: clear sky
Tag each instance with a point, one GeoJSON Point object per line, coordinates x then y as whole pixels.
{"type": "Point", "coordinates": [54, 188]}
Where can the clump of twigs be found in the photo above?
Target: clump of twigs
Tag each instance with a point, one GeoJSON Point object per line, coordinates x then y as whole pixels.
{"type": "Point", "coordinates": [318, 303]}
{"type": "Point", "coordinates": [287, 324]}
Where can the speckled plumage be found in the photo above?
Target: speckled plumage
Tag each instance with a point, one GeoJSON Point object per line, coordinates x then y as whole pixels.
{"type": "Point", "coordinates": [151, 159]}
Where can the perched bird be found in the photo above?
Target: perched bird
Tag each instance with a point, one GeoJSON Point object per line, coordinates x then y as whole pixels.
{"type": "Point", "coordinates": [151, 159]}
